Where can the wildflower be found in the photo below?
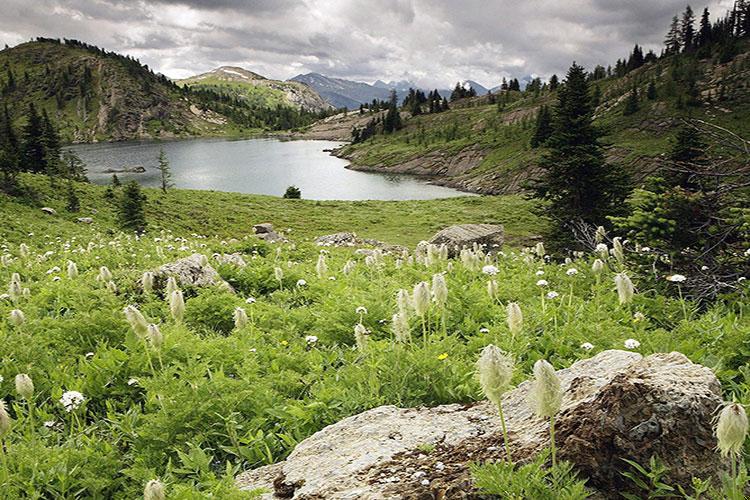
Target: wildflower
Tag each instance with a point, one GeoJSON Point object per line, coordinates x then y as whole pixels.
{"type": "Point", "coordinates": [617, 249]}
{"type": "Point", "coordinates": [24, 386]}
{"type": "Point", "coordinates": [400, 327]}
{"type": "Point", "coordinates": [403, 302]}
{"type": "Point", "coordinates": [540, 273]}
{"type": "Point", "coordinates": [625, 289]}
{"type": "Point", "coordinates": [600, 234]}
{"type": "Point", "coordinates": [539, 250]}
{"type": "Point", "coordinates": [72, 400]}
{"type": "Point", "coordinates": [632, 344]}
{"type": "Point", "coordinates": [137, 322]}
{"type": "Point", "coordinates": [171, 286]}
{"type": "Point", "coordinates": [250, 300]}
{"type": "Point", "coordinates": [645, 249]}
{"type": "Point", "coordinates": [552, 294]}
{"type": "Point", "coordinates": [311, 339]}
{"type": "Point", "coordinates": [572, 271]}
{"type": "Point", "coordinates": [111, 287]}
{"type": "Point", "coordinates": [587, 346]}
{"type": "Point", "coordinates": [484, 330]}
{"type": "Point", "coordinates": [155, 336]}
{"type": "Point", "coordinates": [105, 274]}
{"type": "Point", "coordinates": [489, 269]}
{"type": "Point", "coordinates": [515, 318]}
{"type": "Point", "coordinates": [360, 336]}
{"type": "Point", "coordinates": [5, 421]}
{"type": "Point", "coordinates": [492, 289]}
{"type": "Point", "coordinates": [597, 267]}
{"type": "Point", "coordinates": [154, 490]}
{"type": "Point", "coordinates": [349, 267]}
{"type": "Point", "coordinates": [23, 248]}
{"type": "Point", "coordinates": [17, 318]}
{"type": "Point", "coordinates": [442, 356]}
{"type": "Point", "coordinates": [177, 305]}
{"type": "Point", "coordinates": [731, 430]}
{"type": "Point", "coordinates": [542, 283]}
{"type": "Point", "coordinates": [89, 355]}
{"type": "Point", "coordinates": [321, 268]}
{"type": "Point", "coordinates": [50, 424]}
{"type": "Point", "coordinates": [72, 269]}
{"type": "Point", "coordinates": [639, 316]}
{"type": "Point", "coordinates": [602, 250]}
{"type": "Point", "coordinates": [676, 278]}
{"type": "Point", "coordinates": [495, 370]}
{"type": "Point", "coordinates": [421, 298]}
{"type": "Point", "coordinates": [361, 310]}
{"type": "Point", "coordinates": [301, 283]}
{"type": "Point", "coordinates": [147, 281]}
{"type": "Point", "coordinates": [546, 397]}
{"type": "Point", "coordinates": [132, 381]}
{"type": "Point", "coordinates": [439, 290]}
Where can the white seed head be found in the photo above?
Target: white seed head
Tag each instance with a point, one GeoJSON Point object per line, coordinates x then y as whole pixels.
{"type": "Point", "coordinates": [360, 336]}
{"type": "Point", "coordinates": [495, 369]}
{"type": "Point", "coordinates": [23, 250]}
{"type": "Point", "coordinates": [72, 269]}
{"type": "Point", "coordinates": [421, 298]}
{"type": "Point", "coordinates": [546, 392]}
{"type": "Point", "coordinates": [321, 267]}
{"type": "Point", "coordinates": [177, 305]}
{"type": "Point", "coordinates": [600, 234]}
{"type": "Point", "coordinates": [617, 250]}
{"type": "Point", "coordinates": [439, 290]}
{"type": "Point", "coordinates": [105, 274]}
{"type": "Point", "coordinates": [403, 302]}
{"type": "Point", "coordinates": [400, 326]}
{"type": "Point", "coordinates": [514, 318]}
{"type": "Point", "coordinates": [154, 490]}
{"type": "Point", "coordinates": [137, 322]}
{"type": "Point", "coordinates": [5, 421]}
{"type": "Point", "coordinates": [625, 290]}
{"type": "Point", "coordinates": [492, 289]}
{"type": "Point", "coordinates": [17, 318]}
{"type": "Point", "coordinates": [155, 336]}
{"type": "Point", "coordinates": [171, 286]}
{"type": "Point", "coordinates": [597, 267]}
{"type": "Point", "coordinates": [240, 318]}
{"type": "Point", "coordinates": [24, 386]}
{"type": "Point", "coordinates": [147, 282]}
{"type": "Point", "coordinates": [539, 250]}
{"type": "Point", "coordinates": [731, 429]}
{"type": "Point", "coordinates": [278, 273]}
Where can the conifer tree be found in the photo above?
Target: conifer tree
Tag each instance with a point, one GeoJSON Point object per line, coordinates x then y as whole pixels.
{"type": "Point", "coordinates": [632, 102]}
{"type": "Point", "coordinates": [33, 142]}
{"type": "Point", "coordinates": [704, 33]}
{"type": "Point", "coordinates": [74, 204]}
{"type": "Point", "coordinates": [687, 29]}
{"type": "Point", "coordinates": [51, 141]}
{"type": "Point", "coordinates": [651, 91]}
{"type": "Point", "coordinates": [688, 151]}
{"type": "Point", "coordinates": [673, 41]}
{"type": "Point", "coordinates": [554, 82]}
{"type": "Point", "coordinates": [165, 173]}
{"type": "Point", "coordinates": [132, 214]}
{"type": "Point", "coordinates": [576, 182]}
{"type": "Point", "coordinates": [543, 127]}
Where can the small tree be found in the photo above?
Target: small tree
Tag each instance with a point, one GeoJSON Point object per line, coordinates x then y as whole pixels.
{"type": "Point", "coordinates": [293, 192]}
{"type": "Point", "coordinates": [165, 172]}
{"type": "Point", "coordinates": [74, 204]}
{"type": "Point", "coordinates": [651, 92]}
{"type": "Point", "coordinates": [73, 167]}
{"type": "Point", "coordinates": [632, 103]}
{"type": "Point", "coordinates": [116, 181]}
{"type": "Point", "coordinates": [132, 213]}
{"type": "Point", "coordinates": [543, 127]}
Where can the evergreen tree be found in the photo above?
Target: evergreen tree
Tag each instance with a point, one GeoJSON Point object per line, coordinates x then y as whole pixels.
{"type": "Point", "coordinates": [74, 204]}
{"type": "Point", "coordinates": [651, 91]}
{"type": "Point", "coordinates": [596, 96]}
{"type": "Point", "coordinates": [116, 181]}
{"type": "Point", "coordinates": [392, 120]}
{"type": "Point", "coordinates": [554, 82]}
{"type": "Point", "coordinates": [165, 173]}
{"type": "Point", "coordinates": [73, 167]}
{"type": "Point", "coordinates": [688, 151]}
{"type": "Point", "coordinates": [576, 182]}
{"type": "Point", "coordinates": [687, 29]}
{"type": "Point", "coordinates": [704, 33]}
{"type": "Point", "coordinates": [543, 127]}
{"type": "Point", "coordinates": [293, 193]}
{"type": "Point", "coordinates": [632, 102]}
{"type": "Point", "coordinates": [132, 212]}
{"type": "Point", "coordinates": [673, 41]}
{"type": "Point", "coordinates": [51, 141]}
{"type": "Point", "coordinates": [33, 142]}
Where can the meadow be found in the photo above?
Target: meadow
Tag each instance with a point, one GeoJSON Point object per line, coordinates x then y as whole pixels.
{"type": "Point", "coordinates": [307, 336]}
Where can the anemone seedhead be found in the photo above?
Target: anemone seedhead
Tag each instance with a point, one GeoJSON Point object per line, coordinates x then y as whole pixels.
{"type": "Point", "coordinates": [515, 318]}
{"type": "Point", "coordinates": [495, 370]}
{"type": "Point", "coordinates": [24, 386]}
{"type": "Point", "coordinates": [17, 318]}
{"type": "Point", "coordinates": [598, 266]}
{"type": "Point", "coordinates": [240, 318]}
{"type": "Point", "coordinates": [147, 282]}
{"type": "Point", "coordinates": [321, 267]}
{"type": "Point", "coordinates": [400, 326]}
{"type": "Point", "coordinates": [439, 290]}
{"type": "Point", "coordinates": [177, 305]}
{"type": "Point", "coordinates": [731, 429]}
{"type": "Point", "coordinates": [421, 298]}
{"type": "Point", "coordinates": [625, 290]}
{"type": "Point", "coordinates": [137, 322]}
{"type": "Point", "coordinates": [155, 337]}
{"type": "Point", "coordinates": [154, 490]}
{"type": "Point", "coordinates": [171, 286]}
{"type": "Point", "coordinates": [492, 289]}
{"type": "Point", "coordinates": [546, 391]}
{"type": "Point", "coordinates": [5, 421]}
{"type": "Point", "coordinates": [72, 269]}
{"type": "Point", "coordinates": [360, 336]}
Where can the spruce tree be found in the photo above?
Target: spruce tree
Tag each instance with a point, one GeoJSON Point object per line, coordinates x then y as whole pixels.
{"type": "Point", "coordinates": [132, 214]}
{"type": "Point", "coordinates": [575, 181]}
{"type": "Point", "coordinates": [554, 82]}
{"type": "Point", "coordinates": [165, 173]}
{"type": "Point", "coordinates": [51, 141]}
{"type": "Point", "coordinates": [673, 41]}
{"type": "Point", "coordinates": [543, 127]}
{"type": "Point", "coordinates": [74, 204]}
{"type": "Point", "coordinates": [704, 33]}
{"type": "Point", "coordinates": [632, 102]}
{"type": "Point", "coordinates": [687, 29]}
{"type": "Point", "coordinates": [688, 151]}
{"type": "Point", "coordinates": [651, 91]}
{"type": "Point", "coordinates": [33, 142]}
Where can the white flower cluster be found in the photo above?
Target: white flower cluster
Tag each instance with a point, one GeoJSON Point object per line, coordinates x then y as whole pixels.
{"type": "Point", "coordinates": [72, 400]}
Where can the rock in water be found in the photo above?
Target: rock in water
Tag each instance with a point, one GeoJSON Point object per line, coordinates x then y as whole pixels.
{"type": "Point", "coordinates": [190, 271]}
{"type": "Point", "coordinates": [616, 405]}
{"type": "Point", "coordinates": [489, 236]}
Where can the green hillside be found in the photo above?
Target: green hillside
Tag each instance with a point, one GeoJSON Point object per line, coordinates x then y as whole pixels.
{"type": "Point", "coordinates": [482, 143]}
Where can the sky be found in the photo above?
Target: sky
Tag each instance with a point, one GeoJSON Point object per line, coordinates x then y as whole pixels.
{"type": "Point", "coordinates": [433, 43]}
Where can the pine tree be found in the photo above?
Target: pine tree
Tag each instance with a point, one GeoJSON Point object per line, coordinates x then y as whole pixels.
{"type": "Point", "coordinates": [576, 181]}
{"type": "Point", "coordinates": [74, 204]}
{"type": "Point", "coordinates": [51, 141]}
{"type": "Point", "coordinates": [543, 127]}
{"type": "Point", "coordinates": [116, 181]}
{"type": "Point", "coordinates": [687, 29]}
{"type": "Point", "coordinates": [688, 151]}
{"type": "Point", "coordinates": [673, 41]}
{"type": "Point", "coordinates": [33, 142]}
{"type": "Point", "coordinates": [651, 91]}
{"type": "Point", "coordinates": [132, 212]}
{"type": "Point", "coordinates": [392, 120]}
{"type": "Point", "coordinates": [704, 34]}
{"type": "Point", "coordinates": [632, 102]}
{"type": "Point", "coordinates": [165, 173]}
{"type": "Point", "coordinates": [554, 82]}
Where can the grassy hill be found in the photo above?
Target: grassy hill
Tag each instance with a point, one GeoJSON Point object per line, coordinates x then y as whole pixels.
{"type": "Point", "coordinates": [257, 90]}
{"type": "Point", "coordinates": [211, 398]}
{"type": "Point", "coordinates": [482, 144]}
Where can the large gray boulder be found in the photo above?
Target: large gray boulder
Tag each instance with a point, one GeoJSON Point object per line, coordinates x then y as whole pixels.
{"type": "Point", "coordinates": [266, 232]}
{"type": "Point", "coordinates": [192, 271]}
{"type": "Point", "coordinates": [616, 405]}
{"type": "Point", "coordinates": [489, 236]}
{"type": "Point", "coordinates": [346, 239]}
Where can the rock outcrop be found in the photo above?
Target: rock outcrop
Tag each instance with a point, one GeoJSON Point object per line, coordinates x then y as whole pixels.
{"type": "Point", "coordinates": [616, 405]}
{"type": "Point", "coordinates": [192, 271]}
{"type": "Point", "coordinates": [352, 240]}
{"type": "Point", "coordinates": [489, 236]}
{"type": "Point", "coordinates": [266, 232]}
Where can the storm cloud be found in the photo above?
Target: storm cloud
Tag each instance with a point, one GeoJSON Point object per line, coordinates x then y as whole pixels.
{"type": "Point", "coordinates": [431, 42]}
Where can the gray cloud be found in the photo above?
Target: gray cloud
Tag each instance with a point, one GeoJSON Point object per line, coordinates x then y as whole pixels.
{"type": "Point", "coordinates": [432, 42]}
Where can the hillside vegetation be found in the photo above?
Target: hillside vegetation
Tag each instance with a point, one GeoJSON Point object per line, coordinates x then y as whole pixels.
{"type": "Point", "coordinates": [210, 391]}
{"type": "Point", "coordinates": [482, 144]}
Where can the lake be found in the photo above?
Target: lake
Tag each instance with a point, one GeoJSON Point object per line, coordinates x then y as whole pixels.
{"type": "Point", "coordinates": [257, 166]}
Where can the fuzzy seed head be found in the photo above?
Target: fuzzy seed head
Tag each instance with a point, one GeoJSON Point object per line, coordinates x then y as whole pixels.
{"type": "Point", "coordinates": [539, 250]}
{"type": "Point", "coordinates": [360, 336]}
{"type": "Point", "coordinates": [400, 326]}
{"type": "Point", "coordinates": [617, 250]}
{"type": "Point", "coordinates": [23, 249]}
{"type": "Point", "coordinates": [403, 302]}
{"type": "Point", "coordinates": [154, 490]}
{"type": "Point", "coordinates": [515, 318]}
{"type": "Point", "coordinates": [439, 290]}
{"type": "Point", "coordinates": [24, 386]}
{"type": "Point", "coordinates": [5, 421]}
{"type": "Point", "coordinates": [137, 322]}
{"type": "Point", "coordinates": [492, 289]}
{"type": "Point", "coordinates": [600, 234]}
{"type": "Point", "coordinates": [72, 270]}
{"type": "Point", "coordinates": [171, 286]}
{"type": "Point", "coordinates": [731, 429]}
{"type": "Point", "coordinates": [147, 282]}
{"type": "Point", "coordinates": [321, 267]}
{"type": "Point", "coordinates": [240, 318]}
{"type": "Point", "coordinates": [625, 290]}
{"type": "Point", "coordinates": [495, 369]}
{"type": "Point", "coordinates": [546, 392]}
{"type": "Point", "coordinates": [598, 266]}
{"type": "Point", "coordinates": [278, 273]}
{"type": "Point", "coordinates": [105, 274]}
{"type": "Point", "coordinates": [17, 318]}
{"type": "Point", "coordinates": [421, 298]}
{"type": "Point", "coordinates": [155, 337]}
{"type": "Point", "coordinates": [177, 305]}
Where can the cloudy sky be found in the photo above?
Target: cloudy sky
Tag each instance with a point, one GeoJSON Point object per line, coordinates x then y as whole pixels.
{"type": "Point", "coordinates": [431, 42]}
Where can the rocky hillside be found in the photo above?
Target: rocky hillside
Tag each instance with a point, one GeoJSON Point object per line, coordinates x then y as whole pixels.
{"type": "Point", "coordinates": [258, 90]}
{"type": "Point", "coordinates": [95, 95]}
{"type": "Point", "coordinates": [482, 144]}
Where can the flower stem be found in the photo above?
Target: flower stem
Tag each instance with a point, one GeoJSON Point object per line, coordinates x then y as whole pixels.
{"type": "Point", "coordinates": [505, 432]}
{"type": "Point", "coordinates": [552, 440]}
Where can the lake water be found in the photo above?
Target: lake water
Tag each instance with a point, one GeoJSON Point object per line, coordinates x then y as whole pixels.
{"type": "Point", "coordinates": [258, 166]}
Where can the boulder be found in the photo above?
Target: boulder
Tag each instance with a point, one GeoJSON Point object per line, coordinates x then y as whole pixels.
{"type": "Point", "coordinates": [190, 271]}
{"type": "Point", "coordinates": [346, 239]}
{"type": "Point", "coordinates": [616, 405]}
{"type": "Point", "coordinates": [266, 232]}
{"type": "Point", "coordinates": [489, 236]}
{"type": "Point", "coordinates": [85, 220]}
{"type": "Point", "coordinates": [49, 211]}
{"type": "Point", "coordinates": [234, 259]}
